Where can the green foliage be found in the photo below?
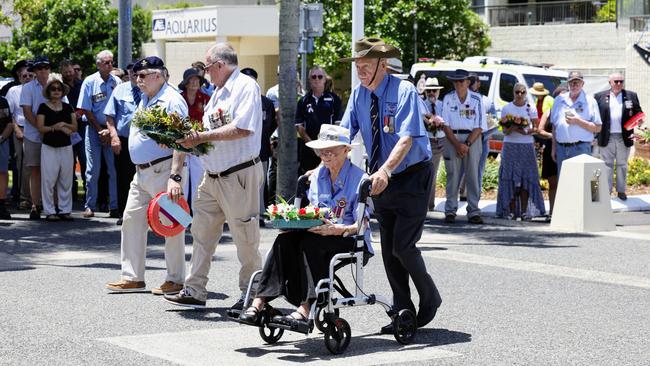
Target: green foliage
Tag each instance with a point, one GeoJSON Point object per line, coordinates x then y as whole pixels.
{"type": "Point", "coordinates": [446, 29]}
{"type": "Point", "coordinates": [607, 13]}
{"type": "Point", "coordinates": [638, 173]}
{"type": "Point", "coordinates": [70, 29]}
{"type": "Point", "coordinates": [490, 175]}
{"type": "Point", "coordinates": [643, 135]}
{"type": "Point", "coordinates": [179, 5]}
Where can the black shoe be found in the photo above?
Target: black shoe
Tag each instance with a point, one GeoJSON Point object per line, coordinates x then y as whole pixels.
{"type": "Point", "coordinates": [387, 329]}
{"type": "Point", "coordinates": [450, 219]}
{"type": "Point", "coordinates": [251, 316]}
{"type": "Point", "coordinates": [114, 213]}
{"type": "Point", "coordinates": [426, 315]}
{"type": "Point", "coordinates": [66, 217]}
{"type": "Point", "coordinates": [236, 309]}
{"type": "Point", "coordinates": [34, 214]}
{"type": "Point", "coordinates": [185, 299]}
{"type": "Point", "coordinates": [262, 223]}
{"type": "Point", "coordinates": [119, 222]}
{"type": "Point", "coordinates": [622, 196]}
{"type": "Point", "coordinates": [4, 214]}
{"type": "Point", "coordinates": [477, 220]}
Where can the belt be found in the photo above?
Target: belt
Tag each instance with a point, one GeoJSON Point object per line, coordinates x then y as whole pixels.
{"type": "Point", "coordinates": [153, 162]}
{"type": "Point", "coordinates": [413, 168]}
{"type": "Point", "coordinates": [565, 144]}
{"type": "Point", "coordinates": [456, 132]}
{"type": "Point", "coordinates": [235, 168]}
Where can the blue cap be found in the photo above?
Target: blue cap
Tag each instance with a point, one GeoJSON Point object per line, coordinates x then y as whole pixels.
{"type": "Point", "coordinates": [459, 74]}
{"type": "Point", "coordinates": [40, 61]}
{"type": "Point", "coordinates": [250, 72]}
{"type": "Point", "coordinates": [151, 62]}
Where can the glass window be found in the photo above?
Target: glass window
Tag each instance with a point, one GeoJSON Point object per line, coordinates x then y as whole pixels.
{"type": "Point", "coordinates": [441, 75]}
{"type": "Point", "coordinates": [506, 84]}
{"type": "Point", "coordinates": [550, 82]}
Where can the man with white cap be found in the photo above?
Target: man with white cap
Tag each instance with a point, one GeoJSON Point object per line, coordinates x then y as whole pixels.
{"type": "Point", "coordinates": [576, 118]}
{"type": "Point", "coordinates": [434, 125]}
{"type": "Point", "coordinates": [387, 113]}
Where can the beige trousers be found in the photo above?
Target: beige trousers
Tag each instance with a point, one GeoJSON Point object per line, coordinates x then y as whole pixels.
{"type": "Point", "coordinates": [56, 175]}
{"type": "Point", "coordinates": [146, 184]}
{"type": "Point", "coordinates": [235, 199]}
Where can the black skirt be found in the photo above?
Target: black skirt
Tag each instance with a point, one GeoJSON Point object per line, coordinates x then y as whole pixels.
{"type": "Point", "coordinates": [296, 262]}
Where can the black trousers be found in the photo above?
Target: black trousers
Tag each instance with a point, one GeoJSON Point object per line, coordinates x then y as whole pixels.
{"type": "Point", "coordinates": [401, 210]}
{"type": "Point", "coordinates": [296, 258]}
{"type": "Point", "coordinates": [125, 170]}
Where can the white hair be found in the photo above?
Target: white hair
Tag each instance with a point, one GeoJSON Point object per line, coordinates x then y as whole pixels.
{"type": "Point", "coordinates": [102, 55]}
{"type": "Point", "coordinates": [224, 52]}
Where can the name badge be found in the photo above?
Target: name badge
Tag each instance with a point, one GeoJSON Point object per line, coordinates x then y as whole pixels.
{"type": "Point", "coordinates": [99, 97]}
{"type": "Point", "coordinates": [219, 118]}
{"type": "Point", "coordinates": [328, 99]}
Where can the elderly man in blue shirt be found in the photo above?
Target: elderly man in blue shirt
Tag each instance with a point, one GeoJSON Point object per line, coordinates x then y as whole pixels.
{"type": "Point", "coordinates": [386, 111]}
{"type": "Point", "coordinates": [95, 91]}
{"type": "Point", "coordinates": [119, 111]}
{"type": "Point", "coordinates": [158, 170]}
{"type": "Point", "coordinates": [576, 118]}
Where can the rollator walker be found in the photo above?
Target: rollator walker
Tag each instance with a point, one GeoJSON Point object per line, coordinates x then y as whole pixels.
{"type": "Point", "coordinates": [332, 294]}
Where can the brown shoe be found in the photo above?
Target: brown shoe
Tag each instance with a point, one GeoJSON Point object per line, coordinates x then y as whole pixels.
{"type": "Point", "coordinates": [168, 288]}
{"type": "Point", "coordinates": [126, 286]}
{"type": "Point", "coordinates": [89, 213]}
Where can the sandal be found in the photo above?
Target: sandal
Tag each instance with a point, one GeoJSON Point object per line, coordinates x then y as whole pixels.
{"type": "Point", "coordinates": [251, 316]}
{"type": "Point", "coordinates": [292, 319]}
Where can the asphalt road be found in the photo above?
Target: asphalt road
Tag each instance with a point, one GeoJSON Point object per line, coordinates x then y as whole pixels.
{"type": "Point", "coordinates": [513, 294]}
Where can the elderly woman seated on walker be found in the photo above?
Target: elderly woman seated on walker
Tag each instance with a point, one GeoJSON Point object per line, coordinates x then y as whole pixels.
{"type": "Point", "coordinates": [300, 258]}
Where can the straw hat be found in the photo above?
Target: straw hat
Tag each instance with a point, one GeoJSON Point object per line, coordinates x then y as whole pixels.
{"type": "Point", "coordinates": [538, 89]}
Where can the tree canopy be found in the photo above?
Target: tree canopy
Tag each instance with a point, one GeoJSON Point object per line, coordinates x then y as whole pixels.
{"type": "Point", "coordinates": [445, 29]}
{"type": "Point", "coordinates": [70, 29]}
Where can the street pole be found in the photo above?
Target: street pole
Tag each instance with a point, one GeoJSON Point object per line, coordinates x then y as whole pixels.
{"type": "Point", "coordinates": [124, 40]}
{"type": "Point", "coordinates": [357, 153]}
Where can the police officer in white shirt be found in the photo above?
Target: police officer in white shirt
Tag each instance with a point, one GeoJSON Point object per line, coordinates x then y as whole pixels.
{"type": "Point", "coordinates": [232, 180]}
{"type": "Point", "coordinates": [462, 112]}
{"type": "Point", "coordinates": [575, 117]}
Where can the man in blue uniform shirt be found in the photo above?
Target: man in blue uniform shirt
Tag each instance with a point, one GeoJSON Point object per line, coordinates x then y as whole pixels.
{"type": "Point", "coordinates": [95, 91]}
{"type": "Point", "coordinates": [157, 170]}
{"type": "Point", "coordinates": [386, 111]}
{"type": "Point", "coordinates": [119, 112]}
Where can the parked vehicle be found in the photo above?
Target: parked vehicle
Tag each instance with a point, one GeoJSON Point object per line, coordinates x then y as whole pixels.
{"type": "Point", "coordinates": [498, 77]}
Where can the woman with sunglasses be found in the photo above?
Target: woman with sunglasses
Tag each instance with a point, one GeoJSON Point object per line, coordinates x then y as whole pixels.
{"type": "Point", "coordinates": [316, 108]}
{"type": "Point", "coordinates": [56, 121]}
{"type": "Point", "coordinates": [333, 185]}
{"type": "Point", "coordinates": [519, 193]}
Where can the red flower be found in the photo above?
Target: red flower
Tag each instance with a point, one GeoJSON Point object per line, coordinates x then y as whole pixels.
{"type": "Point", "coordinates": [316, 209]}
{"type": "Point", "coordinates": [275, 208]}
{"type": "Point", "coordinates": [302, 211]}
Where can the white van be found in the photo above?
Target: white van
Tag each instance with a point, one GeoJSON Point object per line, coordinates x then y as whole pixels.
{"type": "Point", "coordinates": [498, 77]}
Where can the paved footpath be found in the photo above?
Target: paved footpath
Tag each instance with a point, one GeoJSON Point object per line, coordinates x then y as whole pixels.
{"type": "Point", "coordinates": [513, 294]}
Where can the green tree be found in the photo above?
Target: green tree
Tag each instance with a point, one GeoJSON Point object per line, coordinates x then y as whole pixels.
{"type": "Point", "coordinates": [446, 29]}
{"type": "Point", "coordinates": [607, 13]}
{"type": "Point", "coordinates": [70, 29]}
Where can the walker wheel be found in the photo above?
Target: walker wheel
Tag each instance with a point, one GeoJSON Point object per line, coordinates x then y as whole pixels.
{"type": "Point", "coordinates": [337, 336]}
{"type": "Point", "coordinates": [405, 326]}
{"type": "Point", "coordinates": [268, 334]}
{"type": "Point", "coordinates": [321, 322]}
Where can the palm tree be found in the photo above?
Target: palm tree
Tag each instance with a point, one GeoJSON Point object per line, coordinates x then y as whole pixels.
{"type": "Point", "coordinates": [287, 156]}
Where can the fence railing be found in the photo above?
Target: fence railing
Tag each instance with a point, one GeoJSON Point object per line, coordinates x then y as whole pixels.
{"type": "Point", "coordinates": [639, 23]}
{"type": "Point", "coordinates": [561, 12]}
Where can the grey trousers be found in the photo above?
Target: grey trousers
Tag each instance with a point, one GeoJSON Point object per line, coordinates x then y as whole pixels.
{"type": "Point", "coordinates": [436, 153]}
{"type": "Point", "coordinates": [616, 153]}
{"type": "Point", "coordinates": [453, 166]}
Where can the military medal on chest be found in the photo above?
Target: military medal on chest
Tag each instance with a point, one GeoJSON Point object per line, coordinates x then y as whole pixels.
{"type": "Point", "coordinates": [340, 208]}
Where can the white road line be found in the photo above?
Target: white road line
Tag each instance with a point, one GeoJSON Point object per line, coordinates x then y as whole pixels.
{"type": "Point", "coordinates": [241, 345]}
{"type": "Point", "coordinates": [549, 269]}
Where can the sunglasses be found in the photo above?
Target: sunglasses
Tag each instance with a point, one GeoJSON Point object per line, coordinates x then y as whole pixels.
{"type": "Point", "coordinates": [431, 91]}
{"type": "Point", "coordinates": [25, 76]}
{"type": "Point", "coordinates": [107, 63]}
{"type": "Point", "coordinates": [520, 92]}
{"type": "Point", "coordinates": [319, 77]}
{"type": "Point", "coordinates": [618, 81]}
{"type": "Point", "coordinates": [56, 88]}
{"type": "Point", "coordinates": [142, 75]}
{"type": "Point", "coordinates": [76, 68]}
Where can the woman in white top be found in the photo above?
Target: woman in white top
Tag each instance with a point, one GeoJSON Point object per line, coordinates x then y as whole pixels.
{"type": "Point", "coordinates": [519, 191]}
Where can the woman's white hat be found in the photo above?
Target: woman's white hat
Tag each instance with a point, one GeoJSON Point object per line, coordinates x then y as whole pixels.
{"type": "Point", "coordinates": [330, 136]}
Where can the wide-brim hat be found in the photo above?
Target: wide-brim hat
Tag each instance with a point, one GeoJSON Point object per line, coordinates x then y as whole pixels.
{"type": "Point", "coordinates": [330, 136]}
{"type": "Point", "coordinates": [538, 89]}
{"type": "Point", "coordinates": [189, 74]}
{"type": "Point", "coordinates": [55, 78]}
{"type": "Point", "coordinates": [459, 74]}
{"type": "Point", "coordinates": [372, 48]}
{"type": "Point", "coordinates": [432, 84]}
{"type": "Point", "coordinates": [20, 64]}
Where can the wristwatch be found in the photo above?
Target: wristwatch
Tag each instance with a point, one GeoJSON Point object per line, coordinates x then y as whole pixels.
{"type": "Point", "coordinates": [176, 178]}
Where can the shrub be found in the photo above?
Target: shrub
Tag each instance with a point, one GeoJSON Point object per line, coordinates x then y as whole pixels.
{"type": "Point", "coordinates": [490, 175]}
{"type": "Point", "coordinates": [638, 172]}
